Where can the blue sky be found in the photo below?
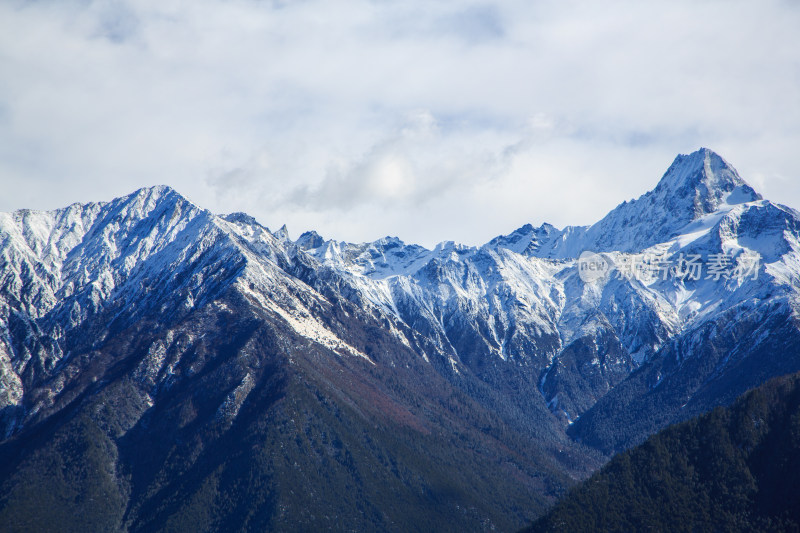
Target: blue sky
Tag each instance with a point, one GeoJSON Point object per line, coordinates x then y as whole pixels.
{"type": "Point", "coordinates": [426, 120]}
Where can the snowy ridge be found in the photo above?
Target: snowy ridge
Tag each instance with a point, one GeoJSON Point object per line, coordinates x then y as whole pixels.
{"type": "Point", "coordinates": [150, 252]}
{"type": "Point", "coordinates": [515, 306]}
{"type": "Point", "coordinates": [514, 299]}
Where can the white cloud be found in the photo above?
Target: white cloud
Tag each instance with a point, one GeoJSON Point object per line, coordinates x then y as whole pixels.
{"type": "Point", "coordinates": [431, 121]}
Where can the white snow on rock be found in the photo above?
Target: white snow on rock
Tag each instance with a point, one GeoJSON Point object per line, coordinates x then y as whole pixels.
{"type": "Point", "coordinates": [516, 300]}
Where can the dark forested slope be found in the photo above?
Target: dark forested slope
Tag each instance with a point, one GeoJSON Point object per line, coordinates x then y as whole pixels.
{"type": "Point", "coordinates": [733, 469]}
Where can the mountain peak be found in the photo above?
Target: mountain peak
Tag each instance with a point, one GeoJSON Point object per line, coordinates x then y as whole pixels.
{"type": "Point", "coordinates": [154, 191]}
{"type": "Point", "coordinates": [706, 179]}
{"type": "Point", "coordinates": [239, 217]}
{"type": "Point", "coordinates": [310, 240]}
{"type": "Point", "coordinates": [282, 234]}
{"type": "Point", "coordinates": [142, 201]}
{"type": "Point", "coordinates": [526, 240]}
{"type": "Point", "coordinates": [695, 185]}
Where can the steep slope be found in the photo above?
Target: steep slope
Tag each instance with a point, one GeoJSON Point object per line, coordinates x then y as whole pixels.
{"type": "Point", "coordinates": [261, 428]}
{"type": "Point", "coordinates": [73, 277]}
{"type": "Point", "coordinates": [734, 333]}
{"type": "Point", "coordinates": [504, 316]}
{"type": "Point", "coordinates": [734, 469]}
{"type": "Point", "coordinates": [172, 363]}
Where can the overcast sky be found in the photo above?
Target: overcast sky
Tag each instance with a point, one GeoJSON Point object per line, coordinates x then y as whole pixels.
{"type": "Point", "coordinates": [428, 120]}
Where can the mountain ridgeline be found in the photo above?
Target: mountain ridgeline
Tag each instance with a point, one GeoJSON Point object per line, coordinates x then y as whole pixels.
{"type": "Point", "coordinates": [196, 371]}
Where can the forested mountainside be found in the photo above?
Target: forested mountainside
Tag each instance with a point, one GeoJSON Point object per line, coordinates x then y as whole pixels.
{"type": "Point", "coordinates": [733, 469]}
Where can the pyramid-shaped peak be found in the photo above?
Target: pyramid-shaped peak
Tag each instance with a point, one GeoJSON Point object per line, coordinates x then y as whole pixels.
{"type": "Point", "coordinates": [695, 185]}
{"type": "Point", "coordinates": [143, 202]}
{"type": "Point", "coordinates": [707, 179]}
{"type": "Point", "coordinates": [282, 234]}
{"type": "Point", "coordinates": [155, 192]}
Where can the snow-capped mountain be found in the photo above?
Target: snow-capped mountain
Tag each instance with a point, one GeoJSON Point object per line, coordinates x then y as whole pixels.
{"type": "Point", "coordinates": [695, 187]}
{"type": "Point", "coordinates": [149, 317]}
{"type": "Point", "coordinates": [509, 303]}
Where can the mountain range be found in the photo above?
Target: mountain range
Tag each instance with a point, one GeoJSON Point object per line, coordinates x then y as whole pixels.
{"type": "Point", "coordinates": [193, 370]}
